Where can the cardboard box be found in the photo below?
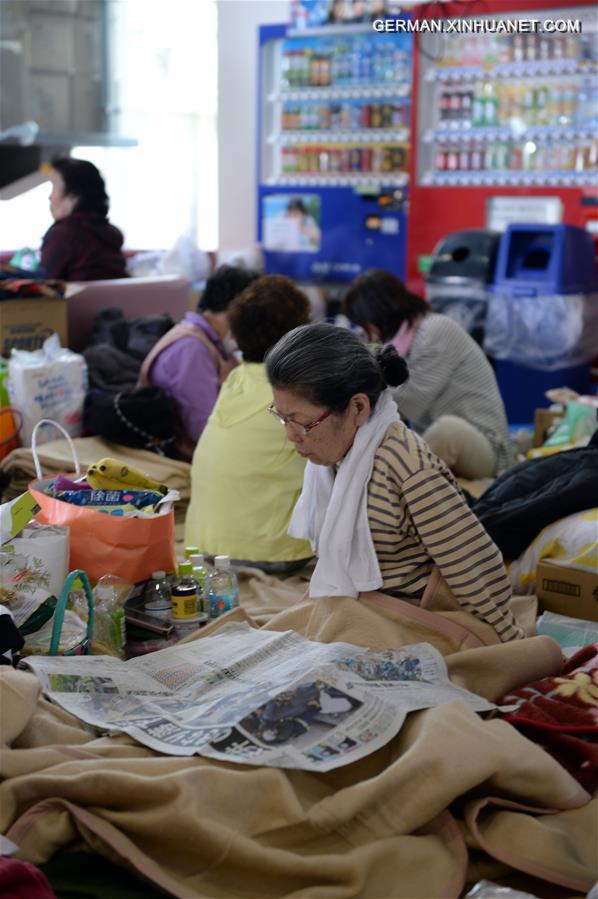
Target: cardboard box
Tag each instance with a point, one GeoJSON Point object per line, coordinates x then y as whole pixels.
{"type": "Point", "coordinates": [567, 591]}
{"type": "Point", "coordinates": [26, 322]}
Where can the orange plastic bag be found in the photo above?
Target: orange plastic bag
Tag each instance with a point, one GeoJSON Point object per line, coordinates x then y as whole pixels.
{"type": "Point", "coordinates": [10, 425]}
{"type": "Point", "coordinates": [131, 548]}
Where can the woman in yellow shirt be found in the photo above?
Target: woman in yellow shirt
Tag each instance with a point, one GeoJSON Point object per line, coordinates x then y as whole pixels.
{"type": "Point", "coordinates": [245, 475]}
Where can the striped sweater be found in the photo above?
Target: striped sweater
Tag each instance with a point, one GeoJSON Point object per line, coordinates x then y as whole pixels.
{"type": "Point", "coordinates": [450, 375]}
{"type": "Point", "coordinates": [418, 519]}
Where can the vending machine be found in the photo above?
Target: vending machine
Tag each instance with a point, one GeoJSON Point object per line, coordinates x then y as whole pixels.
{"type": "Point", "coordinates": [505, 121]}
{"type": "Point", "coordinates": [334, 145]}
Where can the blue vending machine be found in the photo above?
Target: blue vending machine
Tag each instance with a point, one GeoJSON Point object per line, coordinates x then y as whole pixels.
{"type": "Point", "coordinates": [333, 155]}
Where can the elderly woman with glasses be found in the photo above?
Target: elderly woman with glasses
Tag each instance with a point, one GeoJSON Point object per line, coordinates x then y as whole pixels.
{"type": "Point", "coordinates": [381, 511]}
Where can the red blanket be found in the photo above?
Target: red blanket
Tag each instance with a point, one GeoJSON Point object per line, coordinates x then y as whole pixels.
{"type": "Point", "coordinates": [561, 714]}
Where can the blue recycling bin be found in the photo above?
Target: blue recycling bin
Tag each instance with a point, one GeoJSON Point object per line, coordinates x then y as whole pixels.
{"type": "Point", "coordinates": [541, 261]}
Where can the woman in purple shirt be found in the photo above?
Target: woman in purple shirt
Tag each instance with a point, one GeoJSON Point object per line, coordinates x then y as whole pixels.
{"type": "Point", "coordinates": [190, 361]}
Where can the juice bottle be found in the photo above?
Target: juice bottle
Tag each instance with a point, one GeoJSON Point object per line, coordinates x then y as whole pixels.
{"type": "Point", "coordinates": [490, 104]}
{"type": "Point", "coordinates": [183, 594]}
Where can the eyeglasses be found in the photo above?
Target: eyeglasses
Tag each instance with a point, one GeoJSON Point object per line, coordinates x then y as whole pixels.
{"type": "Point", "coordinates": [303, 429]}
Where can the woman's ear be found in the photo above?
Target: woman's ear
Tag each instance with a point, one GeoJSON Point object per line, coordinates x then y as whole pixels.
{"type": "Point", "coordinates": [362, 408]}
{"type": "Point", "coordinates": [373, 333]}
{"type": "Point", "coordinates": [70, 203]}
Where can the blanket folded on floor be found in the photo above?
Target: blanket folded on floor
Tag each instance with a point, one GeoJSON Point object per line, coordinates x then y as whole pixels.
{"type": "Point", "coordinates": [416, 818]}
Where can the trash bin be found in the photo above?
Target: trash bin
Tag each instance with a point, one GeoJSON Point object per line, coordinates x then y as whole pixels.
{"type": "Point", "coordinates": [457, 283]}
{"type": "Point", "coordinates": [542, 316]}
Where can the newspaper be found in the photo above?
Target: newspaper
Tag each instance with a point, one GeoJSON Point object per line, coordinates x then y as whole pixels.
{"type": "Point", "coordinates": [255, 696]}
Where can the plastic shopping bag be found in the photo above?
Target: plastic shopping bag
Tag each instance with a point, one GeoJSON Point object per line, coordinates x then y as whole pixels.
{"type": "Point", "coordinates": [48, 383]}
{"type": "Point", "coordinates": [130, 548]}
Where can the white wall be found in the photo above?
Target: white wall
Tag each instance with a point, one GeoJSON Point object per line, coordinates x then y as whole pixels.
{"type": "Point", "coordinates": [238, 22]}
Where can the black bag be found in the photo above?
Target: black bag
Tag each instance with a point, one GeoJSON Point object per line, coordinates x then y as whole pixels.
{"type": "Point", "coordinates": [145, 418]}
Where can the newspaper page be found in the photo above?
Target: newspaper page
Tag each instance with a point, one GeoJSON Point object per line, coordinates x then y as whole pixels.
{"type": "Point", "coordinates": [255, 696]}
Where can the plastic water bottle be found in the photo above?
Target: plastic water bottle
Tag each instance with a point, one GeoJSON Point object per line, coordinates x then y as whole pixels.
{"type": "Point", "coordinates": [109, 617]}
{"type": "Point", "coordinates": [201, 575]}
{"type": "Point", "coordinates": [223, 588]}
{"type": "Point", "coordinates": [157, 596]}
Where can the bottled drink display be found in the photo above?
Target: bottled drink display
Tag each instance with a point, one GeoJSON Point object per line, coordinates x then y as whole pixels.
{"type": "Point", "coordinates": [510, 155]}
{"type": "Point", "coordinates": [548, 103]}
{"type": "Point", "coordinates": [183, 594]}
{"type": "Point", "coordinates": [511, 106]}
{"type": "Point", "coordinates": [349, 85]}
{"type": "Point", "coordinates": [347, 60]}
{"type": "Point", "coordinates": [333, 158]}
{"type": "Point", "coordinates": [157, 596]}
{"type": "Point", "coordinates": [223, 590]}
{"type": "Point", "coordinates": [495, 49]}
{"type": "Point", "coordinates": [345, 115]}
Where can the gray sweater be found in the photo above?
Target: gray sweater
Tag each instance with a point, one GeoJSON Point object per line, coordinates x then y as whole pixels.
{"type": "Point", "coordinates": [450, 375]}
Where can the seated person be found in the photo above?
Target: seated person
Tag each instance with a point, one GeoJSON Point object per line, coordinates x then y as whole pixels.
{"type": "Point", "coordinates": [245, 477]}
{"type": "Point", "coordinates": [81, 245]}
{"type": "Point", "coordinates": [190, 361]}
{"type": "Point", "coordinates": [452, 398]}
{"type": "Point", "coordinates": [379, 508]}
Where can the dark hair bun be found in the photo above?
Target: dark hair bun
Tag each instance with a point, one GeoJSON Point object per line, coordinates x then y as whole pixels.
{"type": "Point", "coordinates": [393, 367]}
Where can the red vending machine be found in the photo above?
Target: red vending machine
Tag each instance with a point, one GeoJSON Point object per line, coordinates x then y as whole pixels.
{"type": "Point", "coordinates": [505, 120]}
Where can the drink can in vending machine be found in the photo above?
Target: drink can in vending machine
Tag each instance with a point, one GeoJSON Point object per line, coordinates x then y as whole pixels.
{"type": "Point", "coordinates": [515, 158]}
{"type": "Point", "coordinates": [440, 162]}
{"type": "Point", "coordinates": [366, 159]}
{"type": "Point", "coordinates": [502, 155]}
{"type": "Point", "coordinates": [455, 107]}
{"type": "Point", "coordinates": [399, 158]}
{"type": "Point", "coordinates": [355, 159]}
{"type": "Point", "coordinates": [464, 164]}
{"type": "Point", "coordinates": [355, 116]}
{"type": "Point", "coordinates": [542, 105]}
{"type": "Point", "coordinates": [302, 159]}
{"type": "Point", "coordinates": [466, 107]}
{"type": "Point", "coordinates": [476, 158]}
{"type": "Point", "coordinates": [398, 115]}
{"type": "Point", "coordinates": [531, 47]}
{"type": "Point", "coordinates": [345, 160]}
{"type": "Point", "coordinates": [445, 106]}
{"type": "Point", "coordinates": [366, 115]}
{"type": "Point", "coordinates": [386, 116]}
{"type": "Point", "coordinates": [387, 159]}
{"type": "Point", "coordinates": [544, 47]}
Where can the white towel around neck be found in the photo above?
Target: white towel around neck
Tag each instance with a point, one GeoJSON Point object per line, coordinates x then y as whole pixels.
{"type": "Point", "coordinates": [332, 512]}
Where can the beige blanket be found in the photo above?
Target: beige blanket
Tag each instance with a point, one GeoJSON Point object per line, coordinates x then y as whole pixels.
{"type": "Point", "coordinates": [450, 799]}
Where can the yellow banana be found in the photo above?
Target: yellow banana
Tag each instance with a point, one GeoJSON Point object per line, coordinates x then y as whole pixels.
{"type": "Point", "coordinates": [110, 474]}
